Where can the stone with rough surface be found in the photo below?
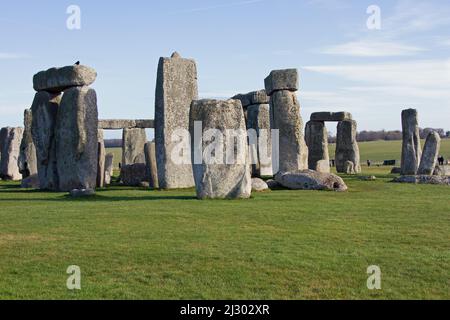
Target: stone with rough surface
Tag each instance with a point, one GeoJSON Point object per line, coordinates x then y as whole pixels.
{"type": "Point", "coordinates": [285, 116]}
{"type": "Point", "coordinates": [347, 149]}
{"type": "Point", "coordinates": [44, 111]}
{"type": "Point", "coordinates": [331, 116]}
{"type": "Point", "coordinates": [101, 160]}
{"type": "Point", "coordinates": [421, 179]}
{"type": "Point", "coordinates": [56, 80]}
{"type": "Point", "coordinates": [30, 182]}
{"type": "Point", "coordinates": [259, 185]}
{"type": "Point", "coordinates": [252, 98]}
{"type": "Point", "coordinates": [176, 88]}
{"type": "Point", "coordinates": [260, 138]}
{"type": "Point", "coordinates": [311, 180]}
{"type": "Point", "coordinates": [411, 149]}
{"type": "Point", "coordinates": [316, 137]}
{"type": "Point", "coordinates": [133, 174]}
{"type": "Point", "coordinates": [273, 185]}
{"type": "Point", "coordinates": [228, 176]}
{"type": "Point", "coordinates": [27, 157]}
{"type": "Point", "coordinates": [442, 170]}
{"type": "Point", "coordinates": [117, 124]}
{"type": "Point", "coordinates": [9, 169]}
{"type": "Point", "coordinates": [282, 80]}
{"type": "Point", "coordinates": [430, 154]}
{"type": "Point", "coordinates": [133, 143]}
{"type": "Point", "coordinates": [77, 139]}
{"type": "Point", "coordinates": [150, 161]}
{"type": "Point", "coordinates": [109, 168]}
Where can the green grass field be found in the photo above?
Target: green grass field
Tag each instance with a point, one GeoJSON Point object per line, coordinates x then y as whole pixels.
{"type": "Point", "coordinates": [141, 244]}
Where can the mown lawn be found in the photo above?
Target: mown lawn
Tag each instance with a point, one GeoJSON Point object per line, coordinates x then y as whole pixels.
{"type": "Point", "coordinates": [140, 244]}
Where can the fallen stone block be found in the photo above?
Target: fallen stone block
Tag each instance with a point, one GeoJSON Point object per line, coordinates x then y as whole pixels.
{"type": "Point", "coordinates": [311, 180]}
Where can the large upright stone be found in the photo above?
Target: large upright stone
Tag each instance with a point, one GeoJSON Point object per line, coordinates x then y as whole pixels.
{"type": "Point", "coordinates": [220, 159]}
{"type": "Point", "coordinates": [316, 136]}
{"type": "Point", "coordinates": [133, 143]}
{"type": "Point", "coordinates": [282, 80]}
{"type": "Point", "coordinates": [285, 116]}
{"type": "Point", "coordinates": [101, 160]}
{"type": "Point", "coordinates": [9, 169]}
{"type": "Point", "coordinates": [176, 88]}
{"type": "Point", "coordinates": [411, 149]}
{"type": "Point", "coordinates": [27, 158]}
{"type": "Point", "coordinates": [150, 161]}
{"type": "Point", "coordinates": [258, 119]}
{"type": "Point", "coordinates": [57, 80]}
{"type": "Point", "coordinates": [430, 154]}
{"type": "Point", "coordinates": [347, 149]}
{"type": "Point", "coordinates": [77, 139]}
{"type": "Point", "coordinates": [44, 111]}
{"type": "Point", "coordinates": [109, 168]}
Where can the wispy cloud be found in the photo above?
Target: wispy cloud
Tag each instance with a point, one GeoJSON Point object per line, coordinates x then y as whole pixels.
{"type": "Point", "coordinates": [219, 6]}
{"type": "Point", "coordinates": [13, 56]}
{"type": "Point", "coordinates": [372, 49]}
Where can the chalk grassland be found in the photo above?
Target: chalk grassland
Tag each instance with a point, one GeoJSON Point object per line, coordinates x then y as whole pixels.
{"type": "Point", "coordinates": [133, 243]}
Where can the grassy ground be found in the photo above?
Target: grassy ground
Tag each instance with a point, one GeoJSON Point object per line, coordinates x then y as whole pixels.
{"type": "Point", "coordinates": [140, 244]}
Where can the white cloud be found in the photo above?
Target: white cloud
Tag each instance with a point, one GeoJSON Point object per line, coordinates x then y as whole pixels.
{"type": "Point", "coordinates": [12, 56]}
{"type": "Point", "coordinates": [373, 49]}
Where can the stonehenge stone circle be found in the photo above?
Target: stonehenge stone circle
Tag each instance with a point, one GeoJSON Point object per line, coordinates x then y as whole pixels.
{"type": "Point", "coordinates": [411, 149]}
{"type": "Point", "coordinates": [150, 161]}
{"type": "Point", "coordinates": [347, 148]}
{"type": "Point", "coordinates": [109, 168]}
{"type": "Point", "coordinates": [430, 154]}
{"type": "Point", "coordinates": [27, 158]}
{"type": "Point", "coordinates": [133, 143]}
{"type": "Point", "coordinates": [101, 160]}
{"type": "Point", "coordinates": [11, 140]}
{"type": "Point", "coordinates": [56, 80]}
{"type": "Point", "coordinates": [258, 118]}
{"type": "Point", "coordinates": [285, 116]}
{"type": "Point", "coordinates": [316, 137]}
{"type": "Point", "coordinates": [311, 180]}
{"type": "Point", "coordinates": [331, 116]}
{"type": "Point", "coordinates": [227, 176]}
{"type": "Point", "coordinates": [77, 139]}
{"type": "Point", "coordinates": [176, 88]}
{"type": "Point", "coordinates": [44, 110]}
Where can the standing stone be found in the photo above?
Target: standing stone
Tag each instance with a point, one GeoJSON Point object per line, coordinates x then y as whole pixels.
{"type": "Point", "coordinates": [44, 110]}
{"type": "Point", "coordinates": [285, 116]}
{"type": "Point", "coordinates": [411, 149]}
{"type": "Point", "coordinates": [258, 119]}
{"type": "Point", "coordinates": [77, 139]}
{"type": "Point", "coordinates": [133, 175]}
{"type": "Point", "coordinates": [109, 168]}
{"type": "Point", "coordinates": [176, 88]}
{"type": "Point", "coordinates": [9, 169]}
{"type": "Point", "coordinates": [316, 137]}
{"type": "Point", "coordinates": [347, 149]}
{"type": "Point", "coordinates": [430, 154]}
{"type": "Point", "coordinates": [101, 160]}
{"type": "Point", "coordinates": [133, 142]}
{"type": "Point", "coordinates": [150, 160]}
{"type": "Point", "coordinates": [221, 168]}
{"type": "Point", "coordinates": [27, 158]}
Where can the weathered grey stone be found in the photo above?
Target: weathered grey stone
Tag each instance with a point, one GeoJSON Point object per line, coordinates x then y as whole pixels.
{"type": "Point", "coordinates": [30, 182]}
{"type": "Point", "coordinates": [176, 88]}
{"type": "Point", "coordinates": [109, 168]}
{"type": "Point", "coordinates": [285, 116]}
{"type": "Point", "coordinates": [347, 148]}
{"type": "Point", "coordinates": [101, 160]}
{"type": "Point", "coordinates": [311, 180]}
{"type": "Point", "coordinates": [27, 157]}
{"type": "Point", "coordinates": [133, 142]}
{"type": "Point", "coordinates": [411, 149]}
{"type": "Point", "coordinates": [258, 119]}
{"type": "Point", "coordinates": [368, 178]}
{"type": "Point", "coordinates": [117, 124]}
{"type": "Point", "coordinates": [133, 174]}
{"type": "Point", "coordinates": [442, 170]}
{"type": "Point", "coordinates": [56, 80]}
{"type": "Point", "coordinates": [252, 98]}
{"type": "Point", "coordinates": [282, 80]}
{"type": "Point", "coordinates": [349, 167]}
{"type": "Point", "coordinates": [316, 137]}
{"type": "Point", "coordinates": [430, 154]}
{"type": "Point", "coordinates": [421, 179]}
{"type": "Point", "coordinates": [9, 169]}
{"type": "Point", "coordinates": [44, 111]}
{"type": "Point", "coordinates": [150, 161]}
{"type": "Point", "coordinates": [259, 185]}
{"type": "Point", "coordinates": [226, 174]}
{"type": "Point", "coordinates": [331, 116]}
{"type": "Point", "coordinates": [273, 185]}
{"type": "Point", "coordinates": [82, 193]}
{"type": "Point", "coordinates": [77, 139]}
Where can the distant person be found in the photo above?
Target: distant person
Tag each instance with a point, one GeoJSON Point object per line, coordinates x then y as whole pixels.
{"type": "Point", "coordinates": [369, 163]}
{"type": "Point", "coordinates": [441, 160]}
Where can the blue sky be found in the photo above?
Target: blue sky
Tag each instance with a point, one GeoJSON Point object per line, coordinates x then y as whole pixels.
{"type": "Point", "coordinates": [344, 66]}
